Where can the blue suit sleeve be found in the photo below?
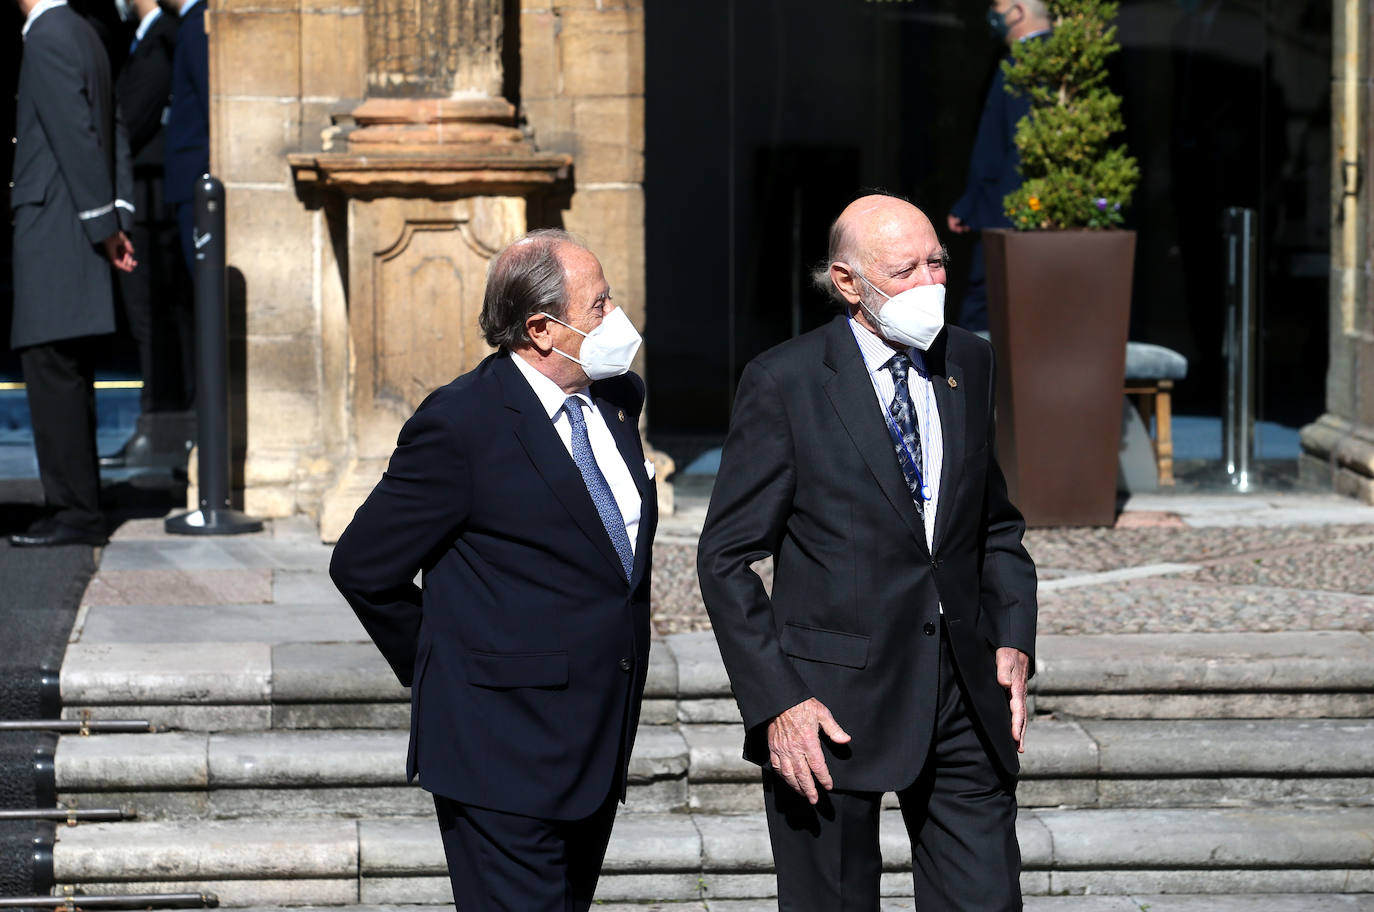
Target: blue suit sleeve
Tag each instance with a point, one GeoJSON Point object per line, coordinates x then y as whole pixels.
{"type": "Point", "coordinates": [416, 509]}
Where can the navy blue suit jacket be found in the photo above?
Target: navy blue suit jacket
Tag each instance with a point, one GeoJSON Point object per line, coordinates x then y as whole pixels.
{"type": "Point", "coordinates": [188, 121]}
{"type": "Point", "coordinates": [994, 167]}
{"type": "Point", "coordinates": [527, 648]}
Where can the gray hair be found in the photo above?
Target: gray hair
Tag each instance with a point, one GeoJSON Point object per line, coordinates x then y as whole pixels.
{"type": "Point", "coordinates": [524, 279]}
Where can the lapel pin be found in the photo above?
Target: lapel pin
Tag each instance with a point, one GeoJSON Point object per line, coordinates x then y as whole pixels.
{"type": "Point", "coordinates": [620, 414]}
{"type": "Point", "coordinates": [953, 384]}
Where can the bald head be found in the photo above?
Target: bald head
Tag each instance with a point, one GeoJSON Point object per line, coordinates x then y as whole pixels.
{"type": "Point", "coordinates": [887, 241]}
{"type": "Point", "coordinates": [876, 221]}
{"type": "Point", "coordinates": [1023, 17]}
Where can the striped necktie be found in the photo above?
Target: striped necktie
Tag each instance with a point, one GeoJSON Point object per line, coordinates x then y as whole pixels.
{"type": "Point", "coordinates": [904, 418]}
{"type": "Point", "coordinates": [597, 486]}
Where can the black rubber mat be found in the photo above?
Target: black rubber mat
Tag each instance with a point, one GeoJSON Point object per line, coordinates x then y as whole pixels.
{"type": "Point", "coordinates": [40, 589]}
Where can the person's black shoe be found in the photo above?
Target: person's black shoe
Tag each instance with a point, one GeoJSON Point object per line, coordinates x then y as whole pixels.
{"type": "Point", "coordinates": [50, 531]}
{"type": "Point", "coordinates": [136, 451]}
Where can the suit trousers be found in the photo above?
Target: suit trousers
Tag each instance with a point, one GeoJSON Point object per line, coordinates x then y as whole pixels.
{"type": "Point", "coordinates": [157, 301]}
{"type": "Point", "coordinates": [60, 380]}
{"type": "Point", "coordinates": [960, 815]}
{"type": "Point", "coordinates": [502, 862]}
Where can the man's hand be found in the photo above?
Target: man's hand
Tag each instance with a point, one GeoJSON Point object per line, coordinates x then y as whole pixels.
{"type": "Point", "coordinates": [1012, 668]}
{"type": "Point", "coordinates": [120, 252]}
{"type": "Point", "coordinates": [795, 749]}
{"type": "Point", "coordinates": [957, 224]}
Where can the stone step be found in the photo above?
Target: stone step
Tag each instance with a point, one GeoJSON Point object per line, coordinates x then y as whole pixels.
{"type": "Point", "coordinates": [1110, 763]}
{"type": "Point", "coordinates": [295, 685]}
{"type": "Point", "coordinates": [361, 773]}
{"type": "Point", "coordinates": [686, 857]}
{"type": "Point", "coordinates": [1249, 902]}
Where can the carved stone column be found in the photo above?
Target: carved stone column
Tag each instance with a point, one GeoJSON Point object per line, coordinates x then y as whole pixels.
{"type": "Point", "coordinates": [435, 179]}
{"type": "Point", "coordinates": [1338, 448]}
{"type": "Point", "coordinates": [434, 48]}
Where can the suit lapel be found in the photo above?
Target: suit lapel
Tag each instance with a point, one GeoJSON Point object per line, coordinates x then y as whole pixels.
{"type": "Point", "coordinates": [626, 435]}
{"type": "Point", "coordinates": [851, 394]}
{"type": "Point", "coordinates": [947, 381]}
{"type": "Point", "coordinates": [551, 460]}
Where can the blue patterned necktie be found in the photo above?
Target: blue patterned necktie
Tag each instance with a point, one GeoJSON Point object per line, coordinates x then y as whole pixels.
{"type": "Point", "coordinates": [597, 486]}
{"type": "Point", "coordinates": [909, 449]}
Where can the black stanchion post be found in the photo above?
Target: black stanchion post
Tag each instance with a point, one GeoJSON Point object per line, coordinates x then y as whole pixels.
{"type": "Point", "coordinates": [215, 516]}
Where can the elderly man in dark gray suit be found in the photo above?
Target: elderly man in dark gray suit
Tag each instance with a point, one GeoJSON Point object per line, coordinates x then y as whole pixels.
{"type": "Point", "coordinates": [70, 165]}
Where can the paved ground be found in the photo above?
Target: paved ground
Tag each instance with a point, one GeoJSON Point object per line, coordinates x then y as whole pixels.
{"type": "Point", "coordinates": [1183, 562]}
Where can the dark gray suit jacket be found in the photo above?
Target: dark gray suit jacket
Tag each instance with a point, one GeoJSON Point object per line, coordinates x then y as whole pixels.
{"type": "Point", "coordinates": [809, 477]}
{"type": "Point", "coordinates": [72, 180]}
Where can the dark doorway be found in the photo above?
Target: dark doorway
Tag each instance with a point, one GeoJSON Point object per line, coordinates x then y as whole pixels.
{"type": "Point", "coordinates": [764, 118]}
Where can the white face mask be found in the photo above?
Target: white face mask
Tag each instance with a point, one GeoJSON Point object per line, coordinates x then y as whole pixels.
{"type": "Point", "coordinates": [913, 317]}
{"type": "Point", "coordinates": [607, 350]}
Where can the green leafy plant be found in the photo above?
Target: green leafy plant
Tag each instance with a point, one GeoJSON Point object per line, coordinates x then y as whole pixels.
{"type": "Point", "coordinates": [1072, 176]}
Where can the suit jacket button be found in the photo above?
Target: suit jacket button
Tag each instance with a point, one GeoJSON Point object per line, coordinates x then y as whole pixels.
{"type": "Point", "coordinates": [929, 629]}
{"type": "Point", "coordinates": [625, 665]}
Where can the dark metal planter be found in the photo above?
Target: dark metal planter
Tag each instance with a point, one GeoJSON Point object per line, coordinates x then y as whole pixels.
{"type": "Point", "coordinates": [1059, 306]}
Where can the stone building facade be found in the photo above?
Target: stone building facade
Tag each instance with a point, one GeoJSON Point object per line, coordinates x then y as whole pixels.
{"type": "Point", "coordinates": [375, 154]}
{"type": "Point", "coordinates": [1338, 448]}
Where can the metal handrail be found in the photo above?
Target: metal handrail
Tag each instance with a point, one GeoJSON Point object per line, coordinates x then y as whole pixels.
{"type": "Point", "coordinates": [79, 726]}
{"type": "Point", "coordinates": [76, 902]}
{"type": "Point", "coordinates": [69, 816]}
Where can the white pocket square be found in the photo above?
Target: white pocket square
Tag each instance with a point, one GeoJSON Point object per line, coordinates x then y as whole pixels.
{"type": "Point", "coordinates": [649, 468]}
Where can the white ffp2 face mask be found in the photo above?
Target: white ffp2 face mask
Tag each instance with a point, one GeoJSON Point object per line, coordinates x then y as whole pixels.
{"type": "Point", "coordinates": [607, 350]}
{"type": "Point", "coordinates": [913, 317]}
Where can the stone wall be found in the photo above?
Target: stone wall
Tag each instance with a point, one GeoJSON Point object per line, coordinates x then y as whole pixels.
{"type": "Point", "coordinates": [278, 68]}
{"type": "Point", "coordinates": [282, 73]}
{"type": "Point", "coordinates": [582, 93]}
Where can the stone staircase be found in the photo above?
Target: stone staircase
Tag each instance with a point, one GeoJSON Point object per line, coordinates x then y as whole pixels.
{"type": "Point", "coordinates": [1209, 765]}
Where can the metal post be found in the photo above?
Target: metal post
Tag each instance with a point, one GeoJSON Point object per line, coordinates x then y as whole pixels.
{"type": "Point", "coordinates": [215, 516]}
{"type": "Point", "coordinates": [1238, 430]}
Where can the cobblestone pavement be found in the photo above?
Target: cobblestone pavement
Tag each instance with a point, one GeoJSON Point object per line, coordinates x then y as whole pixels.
{"type": "Point", "coordinates": [1242, 577]}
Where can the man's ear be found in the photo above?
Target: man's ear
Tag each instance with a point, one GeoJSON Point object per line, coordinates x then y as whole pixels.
{"type": "Point", "coordinates": [537, 328]}
{"type": "Point", "coordinates": [846, 281]}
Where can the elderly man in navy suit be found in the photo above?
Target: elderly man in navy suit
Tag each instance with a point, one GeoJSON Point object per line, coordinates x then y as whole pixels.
{"type": "Point", "coordinates": [994, 169]}
{"type": "Point", "coordinates": [521, 493]}
{"type": "Point", "coordinates": [892, 652]}
{"type": "Point", "coordinates": [71, 205]}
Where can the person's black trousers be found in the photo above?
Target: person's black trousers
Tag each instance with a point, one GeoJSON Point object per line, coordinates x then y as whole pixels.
{"type": "Point", "coordinates": [156, 299]}
{"type": "Point", "coordinates": [960, 814]}
{"type": "Point", "coordinates": [508, 863]}
{"type": "Point", "coordinates": [60, 380]}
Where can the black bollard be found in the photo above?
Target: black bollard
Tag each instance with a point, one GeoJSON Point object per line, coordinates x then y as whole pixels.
{"type": "Point", "coordinates": [215, 516]}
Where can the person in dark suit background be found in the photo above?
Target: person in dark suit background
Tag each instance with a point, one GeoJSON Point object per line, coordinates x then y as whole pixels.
{"type": "Point", "coordinates": [521, 492]}
{"type": "Point", "coordinates": [155, 297]}
{"type": "Point", "coordinates": [70, 204]}
{"type": "Point", "coordinates": [994, 168]}
{"type": "Point", "coordinates": [901, 621]}
{"type": "Point", "coordinates": [188, 119]}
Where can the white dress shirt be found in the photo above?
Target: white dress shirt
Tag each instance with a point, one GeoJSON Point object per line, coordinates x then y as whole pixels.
{"type": "Point", "coordinates": [604, 450]}
{"type": "Point", "coordinates": [147, 22]}
{"type": "Point", "coordinates": [39, 9]}
{"type": "Point", "coordinates": [876, 354]}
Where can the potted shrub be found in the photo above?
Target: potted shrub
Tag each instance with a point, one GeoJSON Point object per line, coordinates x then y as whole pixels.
{"type": "Point", "coordinates": [1059, 281]}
